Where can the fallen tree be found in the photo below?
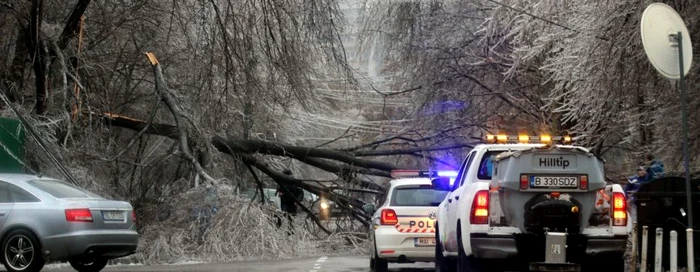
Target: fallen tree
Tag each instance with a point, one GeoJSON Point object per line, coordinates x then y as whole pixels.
{"type": "Point", "coordinates": [343, 163]}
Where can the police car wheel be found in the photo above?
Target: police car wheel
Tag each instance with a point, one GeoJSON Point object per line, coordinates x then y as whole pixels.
{"type": "Point", "coordinates": [379, 264]}
{"type": "Point", "coordinates": [371, 258]}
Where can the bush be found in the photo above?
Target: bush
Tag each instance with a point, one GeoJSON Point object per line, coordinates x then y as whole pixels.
{"type": "Point", "coordinates": [238, 230]}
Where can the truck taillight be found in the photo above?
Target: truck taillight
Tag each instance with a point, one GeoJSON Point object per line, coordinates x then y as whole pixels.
{"type": "Point", "coordinates": [389, 217]}
{"type": "Point", "coordinates": [584, 182]}
{"type": "Point", "coordinates": [619, 210]}
{"type": "Point", "coordinates": [133, 216]}
{"type": "Point", "coordinates": [480, 208]}
{"type": "Point", "coordinates": [523, 182]}
{"type": "Point", "coordinates": [78, 215]}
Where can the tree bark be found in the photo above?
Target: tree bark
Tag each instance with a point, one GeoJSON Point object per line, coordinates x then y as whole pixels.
{"type": "Point", "coordinates": [299, 153]}
{"type": "Point", "coordinates": [14, 79]}
{"type": "Point", "coordinates": [180, 125]}
{"type": "Point", "coordinates": [312, 156]}
{"type": "Point", "coordinates": [73, 23]}
{"type": "Point", "coordinates": [38, 55]}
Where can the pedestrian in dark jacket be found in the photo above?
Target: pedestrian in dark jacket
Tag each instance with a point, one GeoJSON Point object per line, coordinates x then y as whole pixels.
{"type": "Point", "coordinates": [653, 167]}
{"type": "Point", "coordinates": [634, 182]}
{"type": "Point", "coordinates": [289, 194]}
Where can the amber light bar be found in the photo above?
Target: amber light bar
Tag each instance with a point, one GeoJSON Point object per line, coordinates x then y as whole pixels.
{"type": "Point", "coordinates": [545, 139]}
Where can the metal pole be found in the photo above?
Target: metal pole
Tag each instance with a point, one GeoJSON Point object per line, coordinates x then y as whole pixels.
{"type": "Point", "coordinates": [645, 248]}
{"type": "Point", "coordinates": [684, 114]}
{"type": "Point", "coordinates": [681, 86]}
{"type": "Point", "coordinates": [658, 254]}
{"type": "Point", "coordinates": [633, 262]}
{"type": "Point", "coordinates": [690, 249]}
{"type": "Point", "coordinates": [673, 254]}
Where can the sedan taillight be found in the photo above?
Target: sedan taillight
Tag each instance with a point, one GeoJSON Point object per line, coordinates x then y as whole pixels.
{"type": "Point", "coordinates": [78, 215]}
{"type": "Point", "coordinates": [389, 217]}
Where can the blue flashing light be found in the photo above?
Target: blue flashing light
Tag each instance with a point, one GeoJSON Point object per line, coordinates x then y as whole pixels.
{"type": "Point", "coordinates": [447, 173]}
{"type": "Point", "coordinates": [452, 174]}
{"type": "Point", "coordinates": [452, 181]}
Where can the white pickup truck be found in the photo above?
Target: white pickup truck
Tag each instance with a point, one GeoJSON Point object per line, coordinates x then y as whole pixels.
{"type": "Point", "coordinates": [538, 212]}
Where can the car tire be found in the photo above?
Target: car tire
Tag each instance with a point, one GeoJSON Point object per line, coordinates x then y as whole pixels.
{"type": "Point", "coordinates": [442, 263]}
{"type": "Point", "coordinates": [371, 257]}
{"type": "Point", "coordinates": [88, 264]}
{"type": "Point", "coordinates": [21, 245]}
{"type": "Point", "coordinates": [379, 264]}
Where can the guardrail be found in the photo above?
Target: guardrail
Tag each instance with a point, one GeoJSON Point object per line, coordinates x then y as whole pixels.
{"type": "Point", "coordinates": [658, 250]}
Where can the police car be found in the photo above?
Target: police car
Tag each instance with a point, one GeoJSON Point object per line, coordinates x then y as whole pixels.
{"type": "Point", "coordinates": [403, 227]}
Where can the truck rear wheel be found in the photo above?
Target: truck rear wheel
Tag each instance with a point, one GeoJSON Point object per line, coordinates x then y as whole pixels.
{"type": "Point", "coordinates": [442, 263]}
{"type": "Point", "coordinates": [468, 263]}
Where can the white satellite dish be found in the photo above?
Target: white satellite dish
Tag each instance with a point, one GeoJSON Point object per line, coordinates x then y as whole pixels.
{"type": "Point", "coordinates": [660, 25]}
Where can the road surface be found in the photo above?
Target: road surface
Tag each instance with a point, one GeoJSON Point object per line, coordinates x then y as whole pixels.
{"type": "Point", "coordinates": [318, 264]}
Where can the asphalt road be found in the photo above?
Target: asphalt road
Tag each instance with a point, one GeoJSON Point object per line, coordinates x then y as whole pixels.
{"type": "Point", "coordinates": [318, 264]}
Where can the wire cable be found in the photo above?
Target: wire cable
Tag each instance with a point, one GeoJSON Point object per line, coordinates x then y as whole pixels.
{"type": "Point", "coordinates": [42, 145]}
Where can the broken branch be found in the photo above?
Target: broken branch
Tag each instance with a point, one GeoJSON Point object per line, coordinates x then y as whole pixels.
{"type": "Point", "coordinates": [178, 115]}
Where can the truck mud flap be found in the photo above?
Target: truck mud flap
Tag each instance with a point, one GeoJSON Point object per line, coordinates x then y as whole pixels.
{"type": "Point", "coordinates": [531, 247]}
{"type": "Point", "coordinates": [540, 266]}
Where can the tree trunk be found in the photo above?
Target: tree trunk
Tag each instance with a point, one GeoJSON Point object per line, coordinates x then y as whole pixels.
{"type": "Point", "coordinates": [14, 79]}
{"type": "Point", "coordinates": [38, 55]}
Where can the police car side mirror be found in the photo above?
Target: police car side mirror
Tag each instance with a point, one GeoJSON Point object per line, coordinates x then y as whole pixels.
{"type": "Point", "coordinates": [369, 208]}
{"type": "Point", "coordinates": [441, 184]}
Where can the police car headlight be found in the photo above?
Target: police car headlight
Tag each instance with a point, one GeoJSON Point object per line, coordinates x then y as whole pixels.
{"type": "Point", "coordinates": [324, 205]}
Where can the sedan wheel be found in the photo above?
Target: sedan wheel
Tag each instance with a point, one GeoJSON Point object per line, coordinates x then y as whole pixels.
{"type": "Point", "coordinates": [379, 264]}
{"type": "Point", "coordinates": [88, 264]}
{"type": "Point", "coordinates": [21, 252]}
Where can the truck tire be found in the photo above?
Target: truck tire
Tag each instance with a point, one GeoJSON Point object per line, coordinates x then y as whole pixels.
{"type": "Point", "coordinates": [442, 263]}
{"type": "Point", "coordinates": [466, 263]}
{"type": "Point", "coordinates": [472, 264]}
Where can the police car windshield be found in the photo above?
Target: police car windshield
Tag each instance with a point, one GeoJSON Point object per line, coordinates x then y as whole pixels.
{"type": "Point", "coordinates": [486, 165]}
{"type": "Point", "coordinates": [416, 195]}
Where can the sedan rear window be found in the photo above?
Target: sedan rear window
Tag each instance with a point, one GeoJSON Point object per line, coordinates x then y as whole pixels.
{"type": "Point", "coordinates": [60, 189]}
{"type": "Point", "coordinates": [418, 195]}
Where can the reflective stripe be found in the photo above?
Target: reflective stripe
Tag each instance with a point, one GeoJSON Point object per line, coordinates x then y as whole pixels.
{"type": "Point", "coordinates": [414, 230]}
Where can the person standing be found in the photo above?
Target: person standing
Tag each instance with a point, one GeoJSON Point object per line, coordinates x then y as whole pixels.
{"type": "Point", "coordinates": [654, 167]}
{"type": "Point", "coordinates": [289, 195]}
{"type": "Point", "coordinates": [633, 184]}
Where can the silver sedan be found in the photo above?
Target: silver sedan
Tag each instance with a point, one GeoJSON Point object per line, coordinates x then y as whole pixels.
{"type": "Point", "coordinates": [44, 219]}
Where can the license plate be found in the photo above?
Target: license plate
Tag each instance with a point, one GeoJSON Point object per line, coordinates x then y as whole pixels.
{"type": "Point", "coordinates": [553, 182]}
{"type": "Point", "coordinates": [425, 241]}
{"type": "Point", "coordinates": [113, 215]}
